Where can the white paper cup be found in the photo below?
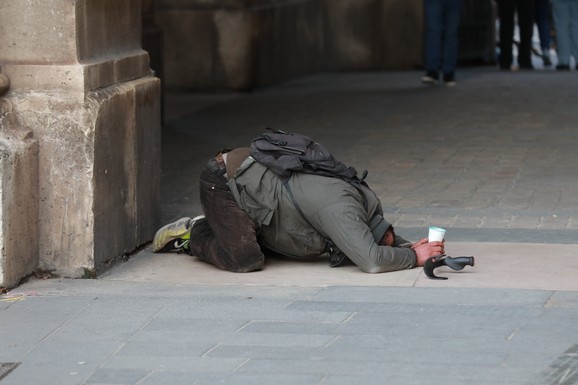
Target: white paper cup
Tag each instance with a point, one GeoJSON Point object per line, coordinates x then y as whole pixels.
{"type": "Point", "coordinates": [436, 234]}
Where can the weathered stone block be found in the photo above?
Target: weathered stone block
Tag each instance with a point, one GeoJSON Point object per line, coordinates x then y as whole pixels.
{"type": "Point", "coordinates": [373, 34]}
{"type": "Point", "coordinates": [288, 41]}
{"type": "Point", "coordinates": [99, 172]}
{"type": "Point", "coordinates": [127, 175]}
{"type": "Point", "coordinates": [215, 53]}
{"type": "Point", "coordinates": [105, 27]}
{"type": "Point", "coordinates": [18, 199]}
{"type": "Point", "coordinates": [76, 45]}
{"type": "Point", "coordinates": [38, 31]}
{"type": "Point", "coordinates": [401, 33]}
{"type": "Point", "coordinates": [352, 34]}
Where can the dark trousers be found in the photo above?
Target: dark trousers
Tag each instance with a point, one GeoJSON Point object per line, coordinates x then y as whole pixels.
{"type": "Point", "coordinates": [525, 11]}
{"type": "Point", "coordinates": [542, 16]}
{"type": "Point", "coordinates": [227, 237]}
{"type": "Point", "coordinates": [441, 35]}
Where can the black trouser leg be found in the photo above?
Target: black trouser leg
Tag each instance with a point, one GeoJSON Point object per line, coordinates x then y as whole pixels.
{"type": "Point", "coordinates": [506, 9]}
{"type": "Point", "coordinates": [526, 24]}
{"type": "Point", "coordinates": [227, 238]}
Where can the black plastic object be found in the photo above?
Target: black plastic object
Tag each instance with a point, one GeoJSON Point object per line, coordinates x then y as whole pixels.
{"type": "Point", "coordinates": [456, 263]}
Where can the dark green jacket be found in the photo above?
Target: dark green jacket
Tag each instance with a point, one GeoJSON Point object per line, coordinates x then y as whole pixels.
{"type": "Point", "coordinates": [334, 209]}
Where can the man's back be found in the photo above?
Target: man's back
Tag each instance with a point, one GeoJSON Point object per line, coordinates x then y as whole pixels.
{"type": "Point", "coordinates": [261, 194]}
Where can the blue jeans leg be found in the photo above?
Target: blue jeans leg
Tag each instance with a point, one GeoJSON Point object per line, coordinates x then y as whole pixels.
{"type": "Point", "coordinates": [541, 12]}
{"type": "Point", "coordinates": [561, 13]}
{"type": "Point", "coordinates": [574, 29]}
{"type": "Point", "coordinates": [433, 34]}
{"type": "Point", "coordinates": [452, 13]}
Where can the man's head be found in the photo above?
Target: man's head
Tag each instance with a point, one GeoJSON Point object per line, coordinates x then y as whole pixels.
{"type": "Point", "coordinates": [388, 238]}
{"type": "Point", "coordinates": [382, 231]}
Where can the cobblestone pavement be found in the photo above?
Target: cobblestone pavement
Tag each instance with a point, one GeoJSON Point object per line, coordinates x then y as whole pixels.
{"type": "Point", "coordinates": [495, 158]}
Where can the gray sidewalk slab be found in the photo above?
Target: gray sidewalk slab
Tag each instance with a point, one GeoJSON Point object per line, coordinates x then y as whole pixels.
{"type": "Point", "coordinates": [124, 332]}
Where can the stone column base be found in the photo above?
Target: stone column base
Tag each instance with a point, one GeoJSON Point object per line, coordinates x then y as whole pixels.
{"type": "Point", "coordinates": [99, 172]}
{"type": "Point", "coordinates": [18, 199]}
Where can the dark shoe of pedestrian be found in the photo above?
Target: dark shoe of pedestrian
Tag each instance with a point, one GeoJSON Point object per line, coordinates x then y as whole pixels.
{"type": "Point", "coordinates": [431, 77]}
{"type": "Point", "coordinates": [450, 79]}
{"type": "Point", "coordinates": [504, 67]}
{"type": "Point", "coordinates": [562, 67]}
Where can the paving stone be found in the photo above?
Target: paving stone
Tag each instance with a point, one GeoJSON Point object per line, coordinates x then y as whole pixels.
{"type": "Point", "coordinates": [116, 376]}
{"type": "Point", "coordinates": [43, 317]}
{"type": "Point", "coordinates": [191, 364]}
{"type": "Point", "coordinates": [179, 378]}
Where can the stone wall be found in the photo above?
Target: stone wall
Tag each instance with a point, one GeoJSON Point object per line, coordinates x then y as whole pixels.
{"type": "Point", "coordinates": [401, 33]}
{"type": "Point", "coordinates": [373, 34]}
{"type": "Point", "coordinates": [352, 39]}
{"type": "Point", "coordinates": [224, 44]}
{"type": "Point", "coordinates": [236, 44]}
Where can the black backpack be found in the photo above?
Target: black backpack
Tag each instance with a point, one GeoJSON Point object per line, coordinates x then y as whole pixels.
{"type": "Point", "coordinates": [285, 153]}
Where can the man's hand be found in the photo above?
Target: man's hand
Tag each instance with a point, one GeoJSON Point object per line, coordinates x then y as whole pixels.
{"type": "Point", "coordinates": [425, 250]}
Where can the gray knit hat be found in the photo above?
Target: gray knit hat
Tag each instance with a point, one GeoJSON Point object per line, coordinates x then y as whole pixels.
{"type": "Point", "coordinates": [378, 227]}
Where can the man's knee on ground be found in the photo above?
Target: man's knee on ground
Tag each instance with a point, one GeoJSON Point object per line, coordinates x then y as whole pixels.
{"type": "Point", "coordinates": [246, 259]}
{"type": "Point", "coordinates": [249, 267]}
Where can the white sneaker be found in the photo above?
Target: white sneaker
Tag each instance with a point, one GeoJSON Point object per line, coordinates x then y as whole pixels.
{"type": "Point", "coordinates": [430, 78]}
{"type": "Point", "coordinates": [175, 237]}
